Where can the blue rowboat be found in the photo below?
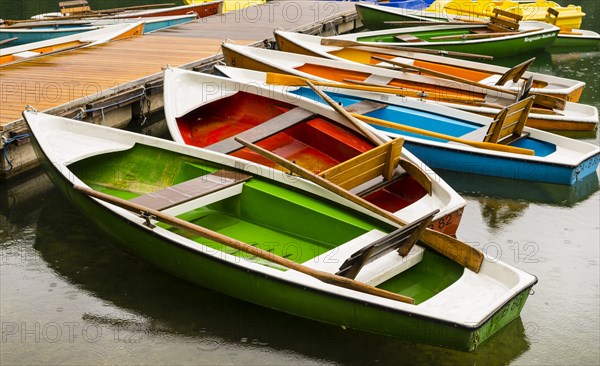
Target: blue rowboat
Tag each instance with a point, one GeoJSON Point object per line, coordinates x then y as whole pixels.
{"type": "Point", "coordinates": [30, 35]}
{"type": "Point", "coordinates": [58, 29]}
{"type": "Point", "coordinates": [556, 159]}
{"type": "Point", "coordinates": [150, 24]}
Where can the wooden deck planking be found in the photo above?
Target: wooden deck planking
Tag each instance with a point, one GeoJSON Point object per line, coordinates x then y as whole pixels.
{"type": "Point", "coordinates": [48, 82]}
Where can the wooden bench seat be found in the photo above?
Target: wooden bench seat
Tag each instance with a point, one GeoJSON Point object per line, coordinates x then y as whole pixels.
{"type": "Point", "coordinates": [407, 38]}
{"type": "Point", "coordinates": [184, 192]}
{"type": "Point", "coordinates": [507, 127]}
{"type": "Point", "coordinates": [264, 130]}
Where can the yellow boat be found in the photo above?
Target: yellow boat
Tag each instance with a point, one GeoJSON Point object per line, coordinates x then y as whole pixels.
{"type": "Point", "coordinates": [230, 5]}
{"type": "Point", "coordinates": [569, 16]}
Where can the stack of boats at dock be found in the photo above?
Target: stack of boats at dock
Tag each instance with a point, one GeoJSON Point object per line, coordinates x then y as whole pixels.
{"type": "Point", "coordinates": [59, 32]}
{"type": "Point", "coordinates": [304, 180]}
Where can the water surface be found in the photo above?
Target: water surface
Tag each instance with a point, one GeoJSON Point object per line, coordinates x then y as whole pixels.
{"type": "Point", "coordinates": [68, 295]}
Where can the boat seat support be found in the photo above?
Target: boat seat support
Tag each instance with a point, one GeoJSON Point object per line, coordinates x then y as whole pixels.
{"type": "Point", "coordinates": [404, 236]}
{"type": "Point", "coordinates": [504, 21]}
{"type": "Point", "coordinates": [186, 191]}
{"type": "Point", "coordinates": [381, 160]}
{"type": "Point", "coordinates": [264, 130]}
{"type": "Point", "coordinates": [407, 38]}
{"type": "Point", "coordinates": [509, 123]}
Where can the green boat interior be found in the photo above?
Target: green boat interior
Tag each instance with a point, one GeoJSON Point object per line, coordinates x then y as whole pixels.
{"type": "Point", "coordinates": [265, 214]}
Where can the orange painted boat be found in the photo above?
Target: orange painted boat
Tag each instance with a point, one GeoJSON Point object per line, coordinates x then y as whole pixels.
{"type": "Point", "coordinates": [479, 72]}
{"type": "Point", "coordinates": [303, 131]}
{"type": "Point", "coordinates": [474, 99]}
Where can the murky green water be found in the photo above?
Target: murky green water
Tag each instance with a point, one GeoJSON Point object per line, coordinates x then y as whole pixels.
{"type": "Point", "coordinates": [69, 296]}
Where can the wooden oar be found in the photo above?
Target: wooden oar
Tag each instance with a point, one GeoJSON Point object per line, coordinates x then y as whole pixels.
{"type": "Point", "coordinates": [546, 101]}
{"type": "Point", "coordinates": [412, 169]}
{"type": "Point", "coordinates": [375, 139]}
{"type": "Point", "coordinates": [484, 35]}
{"type": "Point", "coordinates": [431, 22]}
{"type": "Point", "coordinates": [471, 100]}
{"type": "Point", "coordinates": [241, 246]}
{"type": "Point", "coordinates": [5, 41]}
{"type": "Point", "coordinates": [346, 43]}
{"type": "Point", "coordinates": [452, 248]}
{"type": "Point", "coordinates": [291, 80]}
{"type": "Point", "coordinates": [478, 144]}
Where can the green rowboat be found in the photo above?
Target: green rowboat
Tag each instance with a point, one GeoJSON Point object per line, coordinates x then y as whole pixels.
{"type": "Point", "coordinates": [475, 39]}
{"type": "Point", "coordinates": [235, 201]}
{"type": "Point", "coordinates": [375, 17]}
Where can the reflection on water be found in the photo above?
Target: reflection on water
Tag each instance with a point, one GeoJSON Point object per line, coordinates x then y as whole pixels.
{"type": "Point", "coordinates": [502, 200]}
{"type": "Point", "coordinates": [58, 269]}
{"type": "Point", "coordinates": [546, 193]}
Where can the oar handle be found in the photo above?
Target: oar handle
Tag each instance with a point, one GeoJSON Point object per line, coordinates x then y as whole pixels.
{"type": "Point", "coordinates": [482, 145]}
{"type": "Point", "coordinates": [346, 43]}
{"type": "Point", "coordinates": [445, 76]}
{"type": "Point", "coordinates": [247, 248]}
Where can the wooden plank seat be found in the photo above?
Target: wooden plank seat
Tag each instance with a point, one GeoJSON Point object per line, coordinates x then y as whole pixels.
{"type": "Point", "coordinates": [193, 189]}
{"type": "Point", "coordinates": [504, 21]}
{"type": "Point", "coordinates": [368, 106]}
{"type": "Point", "coordinates": [74, 7]}
{"type": "Point", "coordinates": [515, 73]}
{"type": "Point", "coordinates": [379, 161]}
{"type": "Point", "coordinates": [407, 38]}
{"type": "Point", "coordinates": [507, 127]}
{"type": "Point", "coordinates": [406, 236]}
{"type": "Point", "coordinates": [264, 130]}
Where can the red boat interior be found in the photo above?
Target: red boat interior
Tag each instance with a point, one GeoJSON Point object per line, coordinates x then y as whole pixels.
{"type": "Point", "coordinates": [317, 144]}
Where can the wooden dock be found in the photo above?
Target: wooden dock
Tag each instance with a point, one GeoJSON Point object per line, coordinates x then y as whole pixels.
{"type": "Point", "coordinates": [117, 82]}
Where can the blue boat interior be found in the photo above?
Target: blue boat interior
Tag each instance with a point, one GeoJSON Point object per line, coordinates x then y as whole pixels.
{"type": "Point", "coordinates": [427, 121]}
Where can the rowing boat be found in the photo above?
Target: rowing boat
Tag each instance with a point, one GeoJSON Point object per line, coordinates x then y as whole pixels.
{"type": "Point", "coordinates": [133, 186]}
{"type": "Point", "coordinates": [450, 139]}
{"type": "Point", "coordinates": [38, 34]}
{"type": "Point", "coordinates": [511, 79]}
{"type": "Point", "coordinates": [377, 18]}
{"type": "Point", "coordinates": [306, 132]}
{"type": "Point", "coordinates": [453, 94]}
{"type": "Point", "coordinates": [29, 51]}
{"type": "Point", "coordinates": [83, 11]}
{"type": "Point", "coordinates": [230, 5]}
{"type": "Point", "coordinates": [530, 37]}
{"type": "Point", "coordinates": [568, 16]}
{"type": "Point", "coordinates": [151, 24]}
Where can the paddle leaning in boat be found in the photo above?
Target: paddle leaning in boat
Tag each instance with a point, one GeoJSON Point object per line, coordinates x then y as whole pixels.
{"type": "Point", "coordinates": [548, 113]}
{"type": "Point", "coordinates": [310, 252]}
{"type": "Point", "coordinates": [454, 140]}
{"type": "Point", "coordinates": [209, 112]}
